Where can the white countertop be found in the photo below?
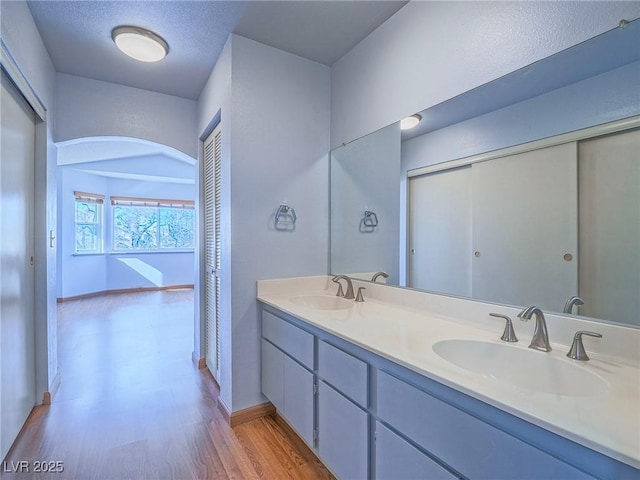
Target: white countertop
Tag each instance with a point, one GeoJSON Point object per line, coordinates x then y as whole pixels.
{"type": "Point", "coordinates": [608, 422]}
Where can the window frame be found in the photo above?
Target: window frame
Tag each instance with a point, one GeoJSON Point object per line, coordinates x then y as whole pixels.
{"type": "Point", "coordinates": [158, 204]}
{"type": "Point", "coordinates": [93, 198]}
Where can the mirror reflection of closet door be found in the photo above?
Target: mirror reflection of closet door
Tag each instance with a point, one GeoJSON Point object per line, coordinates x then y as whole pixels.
{"type": "Point", "coordinates": [440, 232]}
{"type": "Point", "coordinates": [609, 196]}
{"type": "Point", "coordinates": [525, 228]}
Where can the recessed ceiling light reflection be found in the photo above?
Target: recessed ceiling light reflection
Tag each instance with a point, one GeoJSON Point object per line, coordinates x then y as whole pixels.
{"type": "Point", "coordinates": [410, 122]}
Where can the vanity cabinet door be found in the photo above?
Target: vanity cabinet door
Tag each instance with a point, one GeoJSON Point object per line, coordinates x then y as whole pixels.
{"type": "Point", "coordinates": [343, 434]}
{"type": "Point", "coordinates": [273, 374]}
{"type": "Point", "coordinates": [397, 459]}
{"type": "Point", "coordinates": [298, 399]}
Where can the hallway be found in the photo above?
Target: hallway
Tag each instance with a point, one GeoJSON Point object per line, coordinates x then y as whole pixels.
{"type": "Point", "coordinates": [132, 405]}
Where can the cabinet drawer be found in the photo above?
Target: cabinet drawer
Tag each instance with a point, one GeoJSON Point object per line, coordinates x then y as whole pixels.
{"type": "Point", "coordinates": [344, 372]}
{"type": "Point", "coordinates": [474, 448]}
{"type": "Point", "coordinates": [396, 459]}
{"type": "Point", "coordinates": [293, 340]}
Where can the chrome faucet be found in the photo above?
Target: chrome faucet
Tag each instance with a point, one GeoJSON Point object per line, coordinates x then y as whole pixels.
{"type": "Point", "coordinates": [540, 340]}
{"type": "Point", "coordinates": [575, 300]}
{"type": "Point", "coordinates": [349, 294]}
{"type": "Point", "coordinates": [379, 274]}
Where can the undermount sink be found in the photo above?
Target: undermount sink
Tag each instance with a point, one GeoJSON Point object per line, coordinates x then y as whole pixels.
{"type": "Point", "coordinates": [322, 302]}
{"type": "Point", "coordinates": [524, 368]}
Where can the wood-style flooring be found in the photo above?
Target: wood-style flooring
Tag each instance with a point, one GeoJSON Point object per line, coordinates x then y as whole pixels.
{"type": "Point", "coordinates": [132, 405]}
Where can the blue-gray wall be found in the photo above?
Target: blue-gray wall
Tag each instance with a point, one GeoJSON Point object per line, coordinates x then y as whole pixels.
{"type": "Point", "coordinates": [429, 52]}
{"type": "Point", "coordinates": [274, 108]}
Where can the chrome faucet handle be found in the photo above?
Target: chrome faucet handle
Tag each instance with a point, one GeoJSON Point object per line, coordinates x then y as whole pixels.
{"type": "Point", "coordinates": [359, 297]}
{"type": "Point", "coordinates": [577, 351]}
{"type": "Point", "coordinates": [509, 335]}
{"type": "Point", "coordinates": [340, 292]}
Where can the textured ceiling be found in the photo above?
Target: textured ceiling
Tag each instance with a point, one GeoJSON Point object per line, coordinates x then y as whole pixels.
{"type": "Point", "coordinates": [322, 31]}
{"type": "Point", "coordinates": [77, 35]}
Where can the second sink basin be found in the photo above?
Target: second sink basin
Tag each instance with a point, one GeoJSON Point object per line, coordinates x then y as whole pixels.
{"type": "Point", "coordinates": [527, 369]}
{"type": "Point", "coordinates": [322, 302]}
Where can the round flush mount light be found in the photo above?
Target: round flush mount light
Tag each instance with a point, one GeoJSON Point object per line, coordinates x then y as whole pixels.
{"type": "Point", "coordinates": [139, 43]}
{"type": "Point", "coordinates": [410, 122]}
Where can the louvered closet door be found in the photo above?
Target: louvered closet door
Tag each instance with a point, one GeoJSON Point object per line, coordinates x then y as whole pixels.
{"type": "Point", "coordinates": [212, 198]}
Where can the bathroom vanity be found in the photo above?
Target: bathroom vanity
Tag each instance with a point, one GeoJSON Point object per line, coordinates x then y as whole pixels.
{"type": "Point", "coordinates": [393, 388]}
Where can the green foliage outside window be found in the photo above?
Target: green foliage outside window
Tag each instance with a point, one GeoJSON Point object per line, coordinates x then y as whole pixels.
{"type": "Point", "coordinates": [152, 228]}
{"type": "Point", "coordinates": [88, 216]}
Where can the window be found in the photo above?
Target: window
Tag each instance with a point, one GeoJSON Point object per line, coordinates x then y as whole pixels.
{"type": "Point", "coordinates": [88, 214]}
{"type": "Point", "coordinates": [152, 225]}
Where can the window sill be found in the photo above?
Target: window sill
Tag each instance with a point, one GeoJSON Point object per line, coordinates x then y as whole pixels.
{"type": "Point", "coordinates": [87, 254]}
{"type": "Point", "coordinates": [150, 252]}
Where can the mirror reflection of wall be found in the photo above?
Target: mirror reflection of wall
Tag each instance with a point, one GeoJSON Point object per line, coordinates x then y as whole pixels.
{"type": "Point", "coordinates": [365, 177]}
{"type": "Point", "coordinates": [588, 88]}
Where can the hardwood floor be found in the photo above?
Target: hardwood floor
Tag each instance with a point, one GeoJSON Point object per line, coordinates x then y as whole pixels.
{"type": "Point", "coordinates": [132, 405]}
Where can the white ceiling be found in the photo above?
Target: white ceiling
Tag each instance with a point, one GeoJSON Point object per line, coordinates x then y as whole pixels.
{"type": "Point", "coordinates": [128, 158]}
{"type": "Point", "coordinates": [77, 35]}
{"type": "Point", "coordinates": [98, 149]}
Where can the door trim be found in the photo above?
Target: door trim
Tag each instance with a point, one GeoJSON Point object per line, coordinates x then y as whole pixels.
{"type": "Point", "coordinates": [20, 80]}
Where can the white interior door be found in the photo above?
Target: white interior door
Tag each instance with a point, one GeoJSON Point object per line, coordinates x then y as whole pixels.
{"type": "Point", "coordinates": [17, 330]}
{"type": "Point", "coordinates": [212, 205]}
{"type": "Point", "coordinates": [609, 193]}
{"type": "Point", "coordinates": [440, 232]}
{"type": "Point", "coordinates": [525, 228]}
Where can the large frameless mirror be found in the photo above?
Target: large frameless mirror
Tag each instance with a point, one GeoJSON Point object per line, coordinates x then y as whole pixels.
{"type": "Point", "coordinates": [523, 191]}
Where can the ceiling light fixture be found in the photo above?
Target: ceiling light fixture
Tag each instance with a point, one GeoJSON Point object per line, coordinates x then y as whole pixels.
{"type": "Point", "coordinates": [410, 122]}
{"type": "Point", "coordinates": [140, 44]}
